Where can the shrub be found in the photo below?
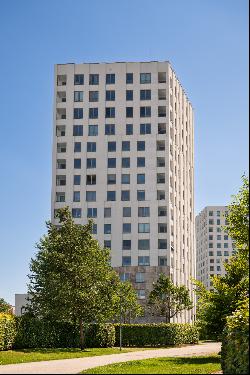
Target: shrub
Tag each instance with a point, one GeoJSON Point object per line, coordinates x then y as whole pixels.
{"type": "Point", "coordinates": [7, 331]}
{"type": "Point", "coordinates": [235, 342]}
{"type": "Point", "coordinates": [157, 334]}
{"type": "Point", "coordinates": [100, 336]}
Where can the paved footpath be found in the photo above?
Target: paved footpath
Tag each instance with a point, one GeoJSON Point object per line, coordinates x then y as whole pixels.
{"type": "Point", "coordinates": [75, 366]}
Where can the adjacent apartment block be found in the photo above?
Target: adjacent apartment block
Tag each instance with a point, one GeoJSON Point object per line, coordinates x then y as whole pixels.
{"type": "Point", "coordinates": [213, 245]}
{"type": "Point", "coordinates": [123, 156]}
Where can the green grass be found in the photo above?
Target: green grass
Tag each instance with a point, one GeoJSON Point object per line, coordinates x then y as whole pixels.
{"type": "Point", "coordinates": [181, 365]}
{"type": "Point", "coordinates": [35, 355]}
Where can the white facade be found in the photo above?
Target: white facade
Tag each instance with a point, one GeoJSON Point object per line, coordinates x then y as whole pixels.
{"type": "Point", "coordinates": [126, 131]}
{"type": "Point", "coordinates": [213, 245]}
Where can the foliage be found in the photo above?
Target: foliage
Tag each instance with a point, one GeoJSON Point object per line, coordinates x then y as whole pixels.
{"type": "Point", "coordinates": [235, 341]}
{"type": "Point", "coordinates": [42, 333]}
{"type": "Point", "coordinates": [7, 331]}
{"type": "Point", "coordinates": [127, 306]}
{"type": "Point", "coordinates": [215, 305]}
{"type": "Point", "coordinates": [180, 365]}
{"type": "Point", "coordinates": [71, 278]}
{"type": "Point", "coordinates": [160, 334]}
{"type": "Point", "coordinates": [167, 299]}
{"type": "Point", "coordinates": [5, 307]}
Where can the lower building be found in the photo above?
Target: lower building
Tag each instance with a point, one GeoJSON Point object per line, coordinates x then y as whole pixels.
{"type": "Point", "coordinates": [20, 303]}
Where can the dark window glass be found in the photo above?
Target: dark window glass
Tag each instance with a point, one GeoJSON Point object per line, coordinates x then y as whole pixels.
{"type": "Point", "coordinates": [129, 78]}
{"type": "Point", "coordinates": [76, 212]}
{"type": "Point", "coordinates": [143, 245]}
{"type": "Point", "coordinates": [126, 245]}
{"type": "Point", "coordinates": [145, 78]}
{"type": "Point", "coordinates": [77, 147]}
{"type": "Point", "coordinates": [129, 129]}
{"type": "Point", "coordinates": [140, 145]}
{"type": "Point", "coordinates": [77, 163]}
{"type": "Point", "coordinates": [93, 113]}
{"type": "Point", "coordinates": [93, 130]}
{"type": "Point", "coordinates": [111, 179]}
{"type": "Point", "coordinates": [107, 243]}
{"type": "Point", "coordinates": [140, 178]}
{"type": "Point", "coordinates": [107, 228]}
{"type": "Point", "coordinates": [126, 228]}
{"type": "Point", "coordinates": [91, 163]}
{"type": "Point", "coordinates": [162, 244]}
{"type": "Point", "coordinates": [125, 195]}
{"type": "Point", "coordinates": [140, 162]}
{"type": "Point", "coordinates": [76, 196]}
{"type": "Point", "coordinates": [91, 146]}
{"type": "Point", "coordinates": [78, 96]}
{"type": "Point", "coordinates": [129, 94]}
{"type": "Point", "coordinates": [110, 112]}
{"type": "Point", "coordinates": [125, 179]}
{"type": "Point", "coordinates": [110, 79]}
{"type": "Point", "coordinates": [125, 162]}
{"type": "Point", "coordinates": [94, 79]}
{"type": "Point", "coordinates": [126, 211]}
{"type": "Point", "coordinates": [93, 96]}
{"type": "Point", "coordinates": [141, 195]}
{"type": "Point", "coordinates": [77, 130]}
{"type": "Point", "coordinates": [111, 162]}
{"type": "Point", "coordinates": [78, 79]}
{"type": "Point", "coordinates": [143, 211]}
{"type": "Point", "coordinates": [125, 145]}
{"type": "Point", "coordinates": [91, 179]}
{"type": "Point", "coordinates": [145, 94]}
{"type": "Point", "coordinates": [111, 146]}
{"type": "Point", "coordinates": [110, 129]}
{"type": "Point", "coordinates": [107, 212]}
{"type": "Point", "coordinates": [92, 212]}
{"type": "Point", "coordinates": [90, 196]}
{"type": "Point", "coordinates": [129, 112]}
{"type": "Point", "coordinates": [78, 113]}
{"type": "Point", "coordinates": [77, 179]}
{"type": "Point", "coordinates": [145, 128]}
{"type": "Point", "coordinates": [111, 195]}
{"type": "Point", "coordinates": [126, 261]}
{"type": "Point", "coordinates": [145, 111]}
{"type": "Point", "coordinates": [110, 95]}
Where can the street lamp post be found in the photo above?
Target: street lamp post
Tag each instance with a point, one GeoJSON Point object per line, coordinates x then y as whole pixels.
{"type": "Point", "coordinates": [120, 322]}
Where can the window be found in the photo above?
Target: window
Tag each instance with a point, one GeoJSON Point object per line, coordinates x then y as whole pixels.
{"type": "Point", "coordinates": [107, 228]}
{"type": "Point", "coordinates": [107, 244]}
{"type": "Point", "coordinates": [126, 228]}
{"type": "Point", "coordinates": [145, 78]}
{"type": "Point", "coordinates": [92, 212]}
{"type": "Point", "coordinates": [210, 245]}
{"type": "Point", "coordinates": [126, 245]}
{"type": "Point", "coordinates": [77, 179]}
{"type": "Point", "coordinates": [125, 195]}
{"type": "Point", "coordinates": [140, 178]}
{"type": "Point", "coordinates": [111, 179]}
{"type": "Point", "coordinates": [110, 129]}
{"type": "Point", "coordinates": [143, 211]}
{"type": "Point", "coordinates": [162, 228]}
{"type": "Point", "coordinates": [210, 213]}
{"type": "Point", "coordinates": [162, 211]}
{"type": "Point", "coordinates": [94, 79]}
{"type": "Point", "coordinates": [211, 221]}
{"type": "Point", "coordinates": [60, 130]}
{"type": "Point", "coordinates": [90, 196]}
{"type": "Point", "coordinates": [61, 147]}
{"type": "Point", "coordinates": [129, 78]}
{"type": "Point", "coordinates": [129, 129]}
{"type": "Point", "coordinates": [144, 228]}
{"type": "Point", "coordinates": [60, 197]}
{"type": "Point", "coordinates": [160, 195]}
{"type": "Point", "coordinates": [76, 196]}
{"type": "Point", "coordinates": [162, 77]}
{"type": "Point", "coordinates": [76, 213]}
{"type": "Point", "coordinates": [162, 128]}
{"type": "Point", "coordinates": [129, 112]}
{"type": "Point", "coordinates": [129, 95]}
{"type": "Point", "coordinates": [107, 212]}
{"type": "Point", "coordinates": [143, 244]}
{"type": "Point", "coordinates": [93, 96]}
{"type": "Point", "coordinates": [162, 261]}
{"type": "Point", "coordinates": [111, 146]}
{"type": "Point", "coordinates": [145, 111]}
{"type": "Point", "coordinates": [145, 128]}
{"type": "Point", "coordinates": [61, 164]}
{"type": "Point", "coordinates": [218, 268]}
{"type": "Point", "coordinates": [77, 130]}
{"type": "Point", "coordinates": [91, 163]}
{"type": "Point", "coordinates": [218, 221]}
{"type": "Point", "coordinates": [125, 179]}
{"type": "Point", "coordinates": [219, 237]}
{"type": "Point", "coordinates": [78, 79]}
{"type": "Point", "coordinates": [143, 261]}
{"type": "Point", "coordinates": [218, 245]}
{"type": "Point", "coordinates": [78, 113]}
{"type": "Point", "coordinates": [77, 146]}
{"type": "Point", "coordinates": [226, 237]}
{"type": "Point", "coordinates": [141, 195]}
{"type": "Point", "coordinates": [78, 96]}
{"type": "Point", "coordinates": [111, 162]}
{"type": "Point", "coordinates": [110, 79]}
{"type": "Point", "coordinates": [162, 111]}
{"type": "Point", "coordinates": [145, 94]}
{"type": "Point", "coordinates": [125, 162]}
{"type": "Point", "coordinates": [160, 178]}
{"type": "Point", "coordinates": [91, 146]}
{"type": "Point", "coordinates": [77, 163]}
{"type": "Point", "coordinates": [140, 162]}
{"type": "Point", "coordinates": [140, 145]}
{"type": "Point", "coordinates": [93, 130]}
{"type": "Point", "coordinates": [140, 277]}
{"type": "Point", "coordinates": [160, 162]}
{"type": "Point", "coordinates": [211, 253]}
{"type": "Point", "coordinates": [219, 253]}
{"type": "Point", "coordinates": [94, 229]}
{"type": "Point", "coordinates": [218, 213]}
{"type": "Point", "coordinates": [162, 244]}
{"type": "Point", "coordinates": [110, 112]}
{"type": "Point", "coordinates": [93, 113]}
{"type": "Point", "coordinates": [124, 276]}
{"type": "Point", "coordinates": [126, 212]}
{"type": "Point", "coordinates": [141, 293]}
{"type": "Point", "coordinates": [162, 94]}
{"type": "Point", "coordinates": [111, 195]}
{"type": "Point", "coordinates": [160, 145]}
{"type": "Point", "coordinates": [225, 245]}
{"type": "Point", "coordinates": [211, 237]}
{"type": "Point", "coordinates": [226, 253]}
{"type": "Point", "coordinates": [91, 179]}
{"type": "Point", "coordinates": [125, 145]}
{"type": "Point", "coordinates": [126, 261]}
{"type": "Point", "coordinates": [110, 95]}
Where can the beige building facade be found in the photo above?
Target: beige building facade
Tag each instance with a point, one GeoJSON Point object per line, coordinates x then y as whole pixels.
{"type": "Point", "coordinates": [123, 154]}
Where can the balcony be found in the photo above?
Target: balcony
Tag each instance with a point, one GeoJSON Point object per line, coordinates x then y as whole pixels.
{"type": "Point", "coordinates": [61, 113]}
{"type": "Point", "coordinates": [61, 80]}
{"type": "Point", "coordinates": [61, 97]}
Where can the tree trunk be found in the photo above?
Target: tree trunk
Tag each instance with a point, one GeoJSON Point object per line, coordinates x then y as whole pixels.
{"type": "Point", "coordinates": [168, 316]}
{"type": "Point", "coordinates": [81, 335]}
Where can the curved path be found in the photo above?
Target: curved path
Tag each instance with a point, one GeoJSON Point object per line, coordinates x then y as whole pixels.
{"type": "Point", "coordinates": [74, 366]}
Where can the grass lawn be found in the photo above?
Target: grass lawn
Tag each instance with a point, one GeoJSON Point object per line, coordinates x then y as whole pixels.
{"type": "Point", "coordinates": [181, 365]}
{"type": "Point", "coordinates": [34, 355]}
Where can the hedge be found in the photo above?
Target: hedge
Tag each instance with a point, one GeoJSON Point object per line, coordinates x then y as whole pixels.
{"type": "Point", "coordinates": [7, 331]}
{"type": "Point", "coordinates": [160, 334]}
{"type": "Point", "coordinates": [38, 333]}
{"type": "Point", "coordinates": [235, 342]}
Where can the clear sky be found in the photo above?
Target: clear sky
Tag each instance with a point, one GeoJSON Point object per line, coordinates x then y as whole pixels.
{"type": "Point", "coordinates": [205, 40]}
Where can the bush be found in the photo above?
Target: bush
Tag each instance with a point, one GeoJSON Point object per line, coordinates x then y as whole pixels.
{"type": "Point", "coordinates": [235, 342]}
{"type": "Point", "coordinates": [157, 334]}
{"type": "Point", "coordinates": [7, 331]}
{"type": "Point", "coordinates": [38, 333]}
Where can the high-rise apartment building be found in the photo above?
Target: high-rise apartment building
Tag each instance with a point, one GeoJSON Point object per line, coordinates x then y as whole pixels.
{"type": "Point", "coordinates": [213, 245]}
{"type": "Point", "coordinates": [123, 156]}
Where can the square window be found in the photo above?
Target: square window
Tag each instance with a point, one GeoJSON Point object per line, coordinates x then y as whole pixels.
{"type": "Point", "coordinates": [90, 196]}
{"type": "Point", "coordinates": [160, 178]}
{"type": "Point", "coordinates": [78, 79]}
{"type": "Point", "coordinates": [141, 294]}
{"type": "Point", "coordinates": [60, 197]}
{"type": "Point", "coordinates": [129, 129]}
{"type": "Point", "coordinates": [160, 145]}
{"type": "Point", "coordinates": [162, 128]}
{"type": "Point", "coordinates": [92, 212]}
{"type": "Point", "coordinates": [143, 261]}
{"type": "Point", "coordinates": [77, 130]}
{"type": "Point", "coordinates": [91, 179]}
{"type": "Point", "coordinates": [77, 163]}
{"type": "Point", "coordinates": [162, 261]}
{"type": "Point", "coordinates": [126, 261]}
{"type": "Point", "coordinates": [126, 245]}
{"type": "Point", "coordinates": [110, 79]}
{"type": "Point", "coordinates": [125, 162]}
{"type": "Point", "coordinates": [140, 162]}
{"type": "Point", "coordinates": [76, 213]}
{"type": "Point", "coordinates": [210, 213]}
{"type": "Point", "coordinates": [107, 228]}
{"type": "Point", "coordinates": [110, 95]}
{"type": "Point", "coordinates": [93, 130]}
{"type": "Point", "coordinates": [126, 212]}
{"type": "Point", "coordinates": [140, 145]}
{"type": "Point", "coordinates": [160, 195]}
{"type": "Point", "coordinates": [111, 195]}
{"type": "Point", "coordinates": [162, 211]}
{"type": "Point", "coordinates": [143, 211]}
{"type": "Point", "coordinates": [162, 228]}
{"type": "Point", "coordinates": [140, 277]}
{"type": "Point", "coordinates": [111, 179]}
{"type": "Point", "coordinates": [110, 112]}
{"type": "Point", "coordinates": [145, 111]}
{"type": "Point", "coordinates": [111, 146]}
{"type": "Point", "coordinates": [111, 162]}
{"type": "Point", "coordinates": [145, 94]}
{"type": "Point", "coordinates": [126, 228]}
{"type": "Point", "coordinates": [78, 96]}
{"type": "Point", "coordinates": [143, 228]}
{"type": "Point", "coordinates": [160, 162]}
{"type": "Point", "coordinates": [125, 195]}
{"type": "Point", "coordinates": [77, 179]}
{"type": "Point", "coordinates": [162, 244]}
{"type": "Point", "coordinates": [107, 212]}
{"type": "Point", "coordinates": [129, 95]}
{"type": "Point", "coordinates": [91, 146]}
{"type": "Point", "coordinates": [140, 178]}
{"type": "Point", "coordinates": [93, 96]}
{"type": "Point", "coordinates": [125, 145]}
{"type": "Point", "coordinates": [93, 113]}
{"type": "Point", "coordinates": [109, 129]}
{"type": "Point", "coordinates": [77, 146]}
{"type": "Point", "coordinates": [162, 111]}
{"type": "Point", "coordinates": [107, 244]}
{"type": "Point", "coordinates": [91, 163]}
{"type": "Point", "coordinates": [125, 179]}
{"type": "Point", "coordinates": [78, 113]}
{"type": "Point", "coordinates": [94, 79]}
{"type": "Point", "coordinates": [145, 78]}
{"type": "Point", "coordinates": [145, 128]}
{"type": "Point", "coordinates": [141, 195]}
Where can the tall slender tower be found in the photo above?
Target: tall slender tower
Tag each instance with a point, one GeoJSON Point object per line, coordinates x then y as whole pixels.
{"type": "Point", "coordinates": [123, 155]}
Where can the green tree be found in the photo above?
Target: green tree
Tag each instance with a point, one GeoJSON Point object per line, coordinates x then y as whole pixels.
{"type": "Point", "coordinates": [127, 306]}
{"type": "Point", "coordinates": [71, 278]}
{"type": "Point", "coordinates": [167, 299]}
{"type": "Point", "coordinates": [5, 307]}
{"type": "Point", "coordinates": [215, 305]}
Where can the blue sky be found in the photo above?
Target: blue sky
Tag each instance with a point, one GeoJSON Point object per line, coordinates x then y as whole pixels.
{"type": "Point", "coordinates": [205, 40]}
